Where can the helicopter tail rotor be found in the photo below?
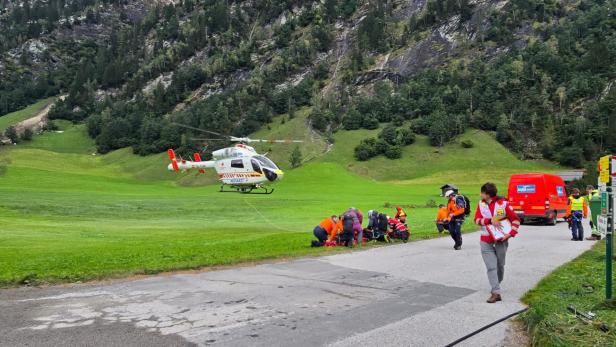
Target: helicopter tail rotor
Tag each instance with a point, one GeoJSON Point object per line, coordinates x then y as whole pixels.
{"type": "Point", "coordinates": [174, 161]}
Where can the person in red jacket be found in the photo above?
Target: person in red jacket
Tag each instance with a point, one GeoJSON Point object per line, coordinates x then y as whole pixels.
{"type": "Point", "coordinates": [499, 223]}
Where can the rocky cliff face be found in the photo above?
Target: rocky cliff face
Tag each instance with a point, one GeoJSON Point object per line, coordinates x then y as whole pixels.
{"type": "Point", "coordinates": [435, 45]}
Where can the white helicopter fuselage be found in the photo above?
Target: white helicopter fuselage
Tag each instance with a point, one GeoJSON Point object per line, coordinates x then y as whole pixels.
{"type": "Point", "coordinates": [239, 166]}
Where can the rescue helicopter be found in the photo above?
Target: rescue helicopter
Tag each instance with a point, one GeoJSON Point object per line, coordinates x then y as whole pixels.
{"type": "Point", "coordinates": [240, 167]}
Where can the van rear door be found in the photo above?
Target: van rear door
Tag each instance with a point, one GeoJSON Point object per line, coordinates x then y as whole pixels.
{"type": "Point", "coordinates": [527, 194]}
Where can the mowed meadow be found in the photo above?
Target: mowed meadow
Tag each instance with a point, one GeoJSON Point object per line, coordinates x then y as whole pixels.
{"type": "Point", "coordinates": [68, 215]}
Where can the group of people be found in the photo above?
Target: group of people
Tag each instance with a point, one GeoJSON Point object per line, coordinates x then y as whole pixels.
{"type": "Point", "coordinates": [346, 229]}
{"type": "Point", "coordinates": [578, 209]}
{"type": "Point", "coordinates": [497, 219]}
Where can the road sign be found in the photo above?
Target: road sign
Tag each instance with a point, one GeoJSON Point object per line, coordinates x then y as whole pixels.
{"type": "Point", "coordinates": [605, 169]}
{"type": "Point", "coordinates": [604, 203]}
{"type": "Point", "coordinates": [604, 177]}
{"type": "Point", "coordinates": [604, 163]}
{"type": "Point", "coordinates": [602, 224]}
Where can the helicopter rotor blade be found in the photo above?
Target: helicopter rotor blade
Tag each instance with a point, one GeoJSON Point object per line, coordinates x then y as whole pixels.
{"type": "Point", "coordinates": [203, 139]}
{"type": "Point", "coordinates": [201, 130]}
{"type": "Point", "coordinates": [272, 141]}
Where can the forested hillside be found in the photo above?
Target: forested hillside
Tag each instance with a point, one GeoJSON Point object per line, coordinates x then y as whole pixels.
{"type": "Point", "coordinates": [537, 73]}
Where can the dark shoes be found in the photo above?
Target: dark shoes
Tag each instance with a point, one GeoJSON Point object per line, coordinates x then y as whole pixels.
{"type": "Point", "coordinates": [494, 298]}
{"type": "Point", "coordinates": [457, 248]}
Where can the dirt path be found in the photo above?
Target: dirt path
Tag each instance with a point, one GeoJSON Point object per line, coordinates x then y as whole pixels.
{"type": "Point", "coordinates": [37, 122]}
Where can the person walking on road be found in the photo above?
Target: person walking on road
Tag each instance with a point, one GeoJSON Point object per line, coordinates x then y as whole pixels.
{"type": "Point", "coordinates": [499, 223]}
{"type": "Point", "coordinates": [456, 208]}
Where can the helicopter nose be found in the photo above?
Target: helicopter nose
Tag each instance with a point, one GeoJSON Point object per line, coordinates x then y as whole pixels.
{"type": "Point", "coordinates": [280, 174]}
{"type": "Point", "coordinates": [273, 175]}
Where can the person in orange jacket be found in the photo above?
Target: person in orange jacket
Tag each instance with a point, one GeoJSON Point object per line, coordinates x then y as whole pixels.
{"type": "Point", "coordinates": [331, 240]}
{"type": "Point", "coordinates": [326, 230]}
{"type": "Point", "coordinates": [442, 218]}
{"type": "Point", "coordinates": [456, 207]}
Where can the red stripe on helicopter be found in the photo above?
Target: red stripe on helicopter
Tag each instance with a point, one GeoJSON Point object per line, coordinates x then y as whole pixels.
{"type": "Point", "coordinates": [239, 175]}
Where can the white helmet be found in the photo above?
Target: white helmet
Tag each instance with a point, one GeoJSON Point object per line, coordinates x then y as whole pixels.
{"type": "Point", "coordinates": [449, 193]}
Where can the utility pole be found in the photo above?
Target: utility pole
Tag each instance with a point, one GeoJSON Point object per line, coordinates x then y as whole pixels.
{"type": "Point", "coordinates": [607, 185]}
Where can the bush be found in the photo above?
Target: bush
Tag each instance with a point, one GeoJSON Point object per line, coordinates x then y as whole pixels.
{"type": "Point", "coordinates": [389, 134]}
{"type": "Point", "coordinates": [11, 133]}
{"type": "Point", "coordinates": [420, 126]}
{"type": "Point", "coordinates": [467, 144]}
{"type": "Point", "coordinates": [370, 123]}
{"type": "Point", "coordinates": [365, 150]}
{"type": "Point", "coordinates": [352, 120]}
{"type": "Point", "coordinates": [27, 135]}
{"type": "Point", "coordinates": [370, 148]}
{"type": "Point", "coordinates": [405, 137]}
{"type": "Point", "coordinates": [393, 152]}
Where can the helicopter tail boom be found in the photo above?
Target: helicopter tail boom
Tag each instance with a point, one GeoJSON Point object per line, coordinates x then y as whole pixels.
{"type": "Point", "coordinates": [184, 165]}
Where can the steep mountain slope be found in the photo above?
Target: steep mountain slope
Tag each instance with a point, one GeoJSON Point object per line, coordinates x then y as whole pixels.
{"type": "Point", "coordinates": [539, 73]}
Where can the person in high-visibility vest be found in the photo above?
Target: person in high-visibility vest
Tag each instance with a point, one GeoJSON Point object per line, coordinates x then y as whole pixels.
{"type": "Point", "coordinates": [579, 211]}
{"type": "Point", "coordinates": [591, 193]}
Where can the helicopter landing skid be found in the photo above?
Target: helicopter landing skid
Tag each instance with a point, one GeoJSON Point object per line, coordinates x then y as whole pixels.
{"type": "Point", "coordinates": [247, 190]}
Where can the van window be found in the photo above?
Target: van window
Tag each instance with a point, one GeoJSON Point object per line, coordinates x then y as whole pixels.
{"type": "Point", "coordinates": [560, 190]}
{"type": "Point", "coordinates": [526, 188]}
{"type": "Point", "coordinates": [237, 163]}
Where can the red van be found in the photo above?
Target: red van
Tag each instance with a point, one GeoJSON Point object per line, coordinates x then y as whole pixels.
{"type": "Point", "coordinates": [538, 196]}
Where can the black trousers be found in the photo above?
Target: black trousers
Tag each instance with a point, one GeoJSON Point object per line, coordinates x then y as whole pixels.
{"type": "Point", "coordinates": [455, 230]}
{"type": "Point", "coordinates": [320, 234]}
{"type": "Point", "coordinates": [442, 227]}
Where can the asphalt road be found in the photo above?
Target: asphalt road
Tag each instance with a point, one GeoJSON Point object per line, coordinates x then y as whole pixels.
{"type": "Point", "coordinates": [416, 294]}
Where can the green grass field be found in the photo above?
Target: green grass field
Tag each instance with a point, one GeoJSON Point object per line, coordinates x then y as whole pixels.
{"type": "Point", "coordinates": [69, 215]}
{"type": "Point", "coordinates": [23, 114]}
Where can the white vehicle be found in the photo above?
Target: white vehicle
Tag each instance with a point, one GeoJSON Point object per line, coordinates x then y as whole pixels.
{"type": "Point", "coordinates": [240, 166]}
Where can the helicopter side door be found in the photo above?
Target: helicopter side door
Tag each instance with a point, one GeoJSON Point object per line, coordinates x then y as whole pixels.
{"type": "Point", "coordinates": [256, 167]}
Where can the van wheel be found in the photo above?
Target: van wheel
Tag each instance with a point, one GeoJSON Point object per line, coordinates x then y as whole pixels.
{"type": "Point", "coordinates": [552, 220]}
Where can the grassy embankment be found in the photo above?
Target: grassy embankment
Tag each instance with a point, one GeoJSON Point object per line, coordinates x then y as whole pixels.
{"type": "Point", "coordinates": [580, 283]}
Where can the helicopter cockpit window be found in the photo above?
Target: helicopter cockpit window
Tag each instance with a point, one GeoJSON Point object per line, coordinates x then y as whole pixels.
{"type": "Point", "coordinates": [237, 163]}
{"type": "Point", "coordinates": [255, 166]}
{"type": "Point", "coordinates": [265, 162]}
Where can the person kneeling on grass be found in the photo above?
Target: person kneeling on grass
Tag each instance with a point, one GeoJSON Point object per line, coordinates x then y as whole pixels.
{"type": "Point", "coordinates": [499, 223]}
{"type": "Point", "coordinates": [442, 218]}
{"type": "Point", "coordinates": [399, 229]}
{"type": "Point", "coordinates": [325, 231]}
